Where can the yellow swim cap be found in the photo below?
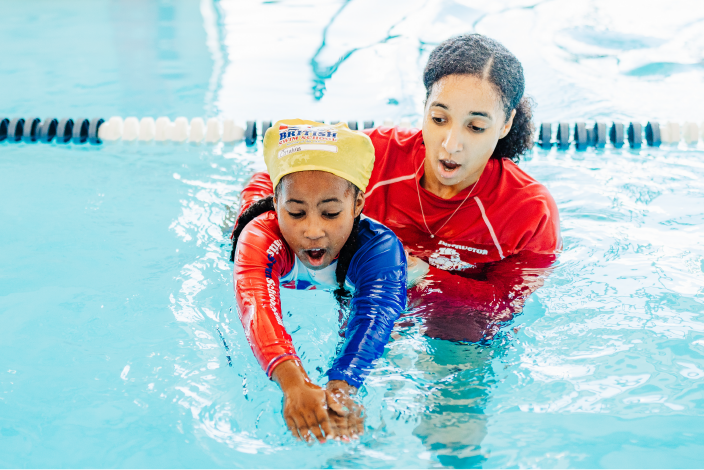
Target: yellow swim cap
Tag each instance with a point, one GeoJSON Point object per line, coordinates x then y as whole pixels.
{"type": "Point", "coordinates": [296, 145]}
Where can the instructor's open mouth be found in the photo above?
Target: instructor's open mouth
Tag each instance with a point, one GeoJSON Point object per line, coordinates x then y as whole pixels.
{"type": "Point", "coordinates": [448, 168]}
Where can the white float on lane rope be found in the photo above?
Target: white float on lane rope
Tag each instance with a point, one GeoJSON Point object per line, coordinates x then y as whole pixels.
{"type": "Point", "coordinates": [691, 133]}
{"type": "Point", "coordinates": [131, 129]}
{"type": "Point", "coordinates": [197, 130]}
{"type": "Point", "coordinates": [212, 132]}
{"type": "Point", "coordinates": [147, 129]}
{"type": "Point", "coordinates": [161, 131]}
{"type": "Point", "coordinates": [178, 131]}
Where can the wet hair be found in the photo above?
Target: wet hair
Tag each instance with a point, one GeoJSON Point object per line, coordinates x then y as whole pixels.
{"type": "Point", "coordinates": [480, 56]}
{"type": "Point", "coordinates": [346, 253]}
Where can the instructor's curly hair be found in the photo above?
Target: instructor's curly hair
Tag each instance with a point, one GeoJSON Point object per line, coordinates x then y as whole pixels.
{"type": "Point", "coordinates": [480, 56]}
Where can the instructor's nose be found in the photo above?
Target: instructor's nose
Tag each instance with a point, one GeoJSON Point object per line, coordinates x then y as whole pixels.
{"type": "Point", "coordinates": [452, 143]}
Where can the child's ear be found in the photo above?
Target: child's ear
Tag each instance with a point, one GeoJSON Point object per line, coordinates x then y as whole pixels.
{"type": "Point", "coordinates": [359, 204]}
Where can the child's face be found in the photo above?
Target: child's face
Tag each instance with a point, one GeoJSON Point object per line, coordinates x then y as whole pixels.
{"type": "Point", "coordinates": [316, 212]}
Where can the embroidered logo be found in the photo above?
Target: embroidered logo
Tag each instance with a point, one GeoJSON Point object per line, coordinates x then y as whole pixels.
{"type": "Point", "coordinates": [306, 137]}
{"type": "Point", "coordinates": [305, 133]}
{"type": "Point", "coordinates": [448, 260]}
{"type": "Point", "coordinates": [462, 247]}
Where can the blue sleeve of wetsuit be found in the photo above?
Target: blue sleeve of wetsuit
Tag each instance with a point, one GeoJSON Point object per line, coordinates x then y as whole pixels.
{"type": "Point", "coordinates": [378, 272]}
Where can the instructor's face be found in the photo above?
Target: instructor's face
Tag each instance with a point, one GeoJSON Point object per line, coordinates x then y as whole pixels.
{"type": "Point", "coordinates": [316, 212]}
{"type": "Point", "coordinates": [464, 120]}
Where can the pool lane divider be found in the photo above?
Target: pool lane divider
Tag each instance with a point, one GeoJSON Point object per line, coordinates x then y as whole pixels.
{"type": "Point", "coordinates": [97, 130]}
{"type": "Point", "coordinates": [654, 134]}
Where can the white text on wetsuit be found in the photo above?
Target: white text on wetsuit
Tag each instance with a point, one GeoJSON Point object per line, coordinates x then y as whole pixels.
{"type": "Point", "coordinates": [274, 249]}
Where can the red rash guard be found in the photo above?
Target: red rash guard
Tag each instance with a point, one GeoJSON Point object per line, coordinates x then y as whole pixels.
{"type": "Point", "coordinates": [497, 245]}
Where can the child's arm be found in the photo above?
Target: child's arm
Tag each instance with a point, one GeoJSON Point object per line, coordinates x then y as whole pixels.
{"type": "Point", "coordinates": [262, 257]}
{"type": "Point", "coordinates": [378, 272]}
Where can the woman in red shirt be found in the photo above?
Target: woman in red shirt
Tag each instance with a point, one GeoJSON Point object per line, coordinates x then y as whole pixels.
{"type": "Point", "coordinates": [454, 195]}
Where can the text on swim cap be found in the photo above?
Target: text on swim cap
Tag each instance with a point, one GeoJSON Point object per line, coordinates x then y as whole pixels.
{"type": "Point", "coordinates": [306, 133]}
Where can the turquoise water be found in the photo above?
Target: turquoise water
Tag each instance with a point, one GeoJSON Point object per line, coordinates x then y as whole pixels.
{"type": "Point", "coordinates": [116, 296]}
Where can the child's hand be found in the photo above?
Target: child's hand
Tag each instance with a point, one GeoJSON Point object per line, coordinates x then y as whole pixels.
{"type": "Point", "coordinates": [305, 404]}
{"type": "Point", "coordinates": [346, 416]}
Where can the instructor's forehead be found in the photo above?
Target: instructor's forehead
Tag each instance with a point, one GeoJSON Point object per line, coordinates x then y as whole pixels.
{"type": "Point", "coordinates": [466, 94]}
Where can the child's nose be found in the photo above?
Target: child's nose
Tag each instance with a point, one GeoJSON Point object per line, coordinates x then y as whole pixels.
{"type": "Point", "coordinates": [314, 231]}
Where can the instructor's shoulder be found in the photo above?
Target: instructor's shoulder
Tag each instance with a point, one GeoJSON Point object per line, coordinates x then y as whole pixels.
{"type": "Point", "coordinates": [524, 186]}
{"type": "Point", "coordinates": [393, 138]}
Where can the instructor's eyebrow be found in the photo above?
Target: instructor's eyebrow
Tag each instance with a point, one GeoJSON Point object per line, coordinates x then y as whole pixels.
{"type": "Point", "coordinates": [439, 105]}
{"type": "Point", "coordinates": [471, 113]}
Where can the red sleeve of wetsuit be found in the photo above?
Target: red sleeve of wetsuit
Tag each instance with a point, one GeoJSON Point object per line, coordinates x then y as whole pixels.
{"type": "Point", "coordinates": [262, 257]}
{"type": "Point", "coordinates": [259, 187]}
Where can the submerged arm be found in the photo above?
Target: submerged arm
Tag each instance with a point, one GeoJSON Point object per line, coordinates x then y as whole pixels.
{"type": "Point", "coordinates": [463, 308]}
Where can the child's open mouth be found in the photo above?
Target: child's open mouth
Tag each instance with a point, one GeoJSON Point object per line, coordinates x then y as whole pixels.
{"type": "Point", "coordinates": [315, 257]}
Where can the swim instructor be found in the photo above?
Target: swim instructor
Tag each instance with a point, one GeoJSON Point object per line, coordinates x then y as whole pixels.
{"type": "Point", "coordinates": [452, 191]}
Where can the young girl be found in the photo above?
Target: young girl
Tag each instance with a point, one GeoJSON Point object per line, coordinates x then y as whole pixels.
{"type": "Point", "coordinates": [309, 234]}
{"type": "Point", "coordinates": [454, 195]}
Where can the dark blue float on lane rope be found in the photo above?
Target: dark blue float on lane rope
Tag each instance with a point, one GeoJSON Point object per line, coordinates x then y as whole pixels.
{"type": "Point", "coordinates": [616, 135]}
{"type": "Point", "coordinates": [93, 129]}
{"type": "Point", "coordinates": [599, 135]}
{"type": "Point", "coordinates": [30, 130]}
{"type": "Point", "coordinates": [80, 130]}
{"type": "Point", "coordinates": [64, 130]}
{"type": "Point", "coordinates": [652, 134]}
{"type": "Point", "coordinates": [4, 122]}
{"type": "Point", "coordinates": [250, 133]}
{"type": "Point", "coordinates": [15, 129]}
{"type": "Point", "coordinates": [563, 136]}
{"type": "Point", "coordinates": [545, 135]}
{"type": "Point", "coordinates": [47, 130]}
{"type": "Point", "coordinates": [580, 136]}
{"type": "Point", "coordinates": [635, 135]}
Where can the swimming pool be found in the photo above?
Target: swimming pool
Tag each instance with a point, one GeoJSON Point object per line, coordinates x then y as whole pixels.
{"type": "Point", "coordinates": [119, 345]}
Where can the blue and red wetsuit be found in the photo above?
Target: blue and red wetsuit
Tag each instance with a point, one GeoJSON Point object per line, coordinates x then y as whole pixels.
{"type": "Point", "coordinates": [264, 262]}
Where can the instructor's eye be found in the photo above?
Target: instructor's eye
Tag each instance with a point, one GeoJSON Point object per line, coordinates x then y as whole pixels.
{"type": "Point", "coordinates": [438, 120]}
{"type": "Point", "coordinates": [477, 129]}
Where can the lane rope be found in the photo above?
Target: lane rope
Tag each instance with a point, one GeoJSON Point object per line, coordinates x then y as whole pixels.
{"type": "Point", "coordinates": [97, 130]}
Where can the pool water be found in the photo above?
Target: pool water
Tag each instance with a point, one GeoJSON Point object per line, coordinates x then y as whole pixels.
{"type": "Point", "coordinates": [120, 345]}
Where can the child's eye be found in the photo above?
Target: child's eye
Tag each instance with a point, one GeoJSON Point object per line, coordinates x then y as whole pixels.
{"type": "Point", "coordinates": [296, 215]}
{"type": "Point", "coordinates": [331, 215]}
